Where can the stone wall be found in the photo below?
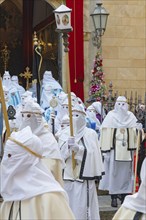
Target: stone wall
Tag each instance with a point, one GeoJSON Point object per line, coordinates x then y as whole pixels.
{"type": "Point", "coordinates": [123, 46]}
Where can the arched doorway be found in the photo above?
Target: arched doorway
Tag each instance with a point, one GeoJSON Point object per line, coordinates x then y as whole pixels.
{"type": "Point", "coordinates": [44, 25]}
{"type": "Point", "coordinates": [16, 30]}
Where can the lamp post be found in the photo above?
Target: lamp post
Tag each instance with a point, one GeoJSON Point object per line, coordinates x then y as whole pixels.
{"type": "Point", "coordinates": [99, 17]}
{"type": "Point", "coordinates": [63, 22]}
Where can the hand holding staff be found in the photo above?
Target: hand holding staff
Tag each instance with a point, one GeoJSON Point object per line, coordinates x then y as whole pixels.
{"type": "Point", "coordinates": [70, 107]}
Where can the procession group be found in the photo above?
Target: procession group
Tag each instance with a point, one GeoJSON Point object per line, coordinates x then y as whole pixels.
{"type": "Point", "coordinates": [56, 160]}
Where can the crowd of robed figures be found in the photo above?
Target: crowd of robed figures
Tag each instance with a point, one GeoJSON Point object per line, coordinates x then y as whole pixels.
{"type": "Point", "coordinates": [48, 174]}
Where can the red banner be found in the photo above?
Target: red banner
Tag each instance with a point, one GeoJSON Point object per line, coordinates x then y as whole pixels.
{"type": "Point", "coordinates": [76, 46]}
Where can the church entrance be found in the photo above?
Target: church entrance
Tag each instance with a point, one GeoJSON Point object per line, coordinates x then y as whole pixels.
{"type": "Point", "coordinates": [18, 21]}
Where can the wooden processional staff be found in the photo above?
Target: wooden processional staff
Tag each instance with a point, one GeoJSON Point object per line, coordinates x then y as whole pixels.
{"type": "Point", "coordinates": [4, 109]}
{"type": "Point", "coordinates": [70, 107]}
{"type": "Point", "coordinates": [136, 161]}
{"type": "Point", "coordinates": [63, 22]}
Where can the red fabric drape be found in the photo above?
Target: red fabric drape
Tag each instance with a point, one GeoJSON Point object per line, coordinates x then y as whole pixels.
{"type": "Point", "coordinates": [27, 32]}
{"type": "Point", "coordinates": [76, 53]}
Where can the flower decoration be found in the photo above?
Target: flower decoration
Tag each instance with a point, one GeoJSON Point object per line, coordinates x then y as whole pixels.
{"type": "Point", "coordinates": [97, 83]}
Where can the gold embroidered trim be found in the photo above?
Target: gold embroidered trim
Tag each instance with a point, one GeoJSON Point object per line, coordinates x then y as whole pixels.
{"type": "Point", "coordinates": [74, 110]}
{"type": "Point", "coordinates": [37, 113]}
{"type": "Point", "coordinates": [122, 101]}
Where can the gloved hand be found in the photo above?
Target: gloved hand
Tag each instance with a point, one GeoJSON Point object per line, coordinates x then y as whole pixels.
{"type": "Point", "coordinates": [52, 115]}
{"type": "Point", "coordinates": [139, 126]}
{"type": "Point", "coordinates": [72, 145]}
{"type": "Point", "coordinates": [71, 141]}
{"type": "Point", "coordinates": [12, 124]}
{"type": "Point", "coordinates": [106, 156]}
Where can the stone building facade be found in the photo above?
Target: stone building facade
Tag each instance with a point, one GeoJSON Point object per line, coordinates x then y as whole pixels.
{"type": "Point", "coordinates": [123, 45]}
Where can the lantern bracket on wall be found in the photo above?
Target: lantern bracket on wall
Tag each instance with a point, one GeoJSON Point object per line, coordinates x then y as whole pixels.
{"type": "Point", "coordinates": [99, 17]}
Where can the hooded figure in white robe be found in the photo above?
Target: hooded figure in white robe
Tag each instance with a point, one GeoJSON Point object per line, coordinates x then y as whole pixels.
{"type": "Point", "coordinates": [46, 97]}
{"type": "Point", "coordinates": [29, 190]}
{"type": "Point", "coordinates": [100, 112]}
{"type": "Point", "coordinates": [62, 108]}
{"type": "Point", "coordinates": [64, 124]}
{"type": "Point", "coordinates": [118, 141]}
{"type": "Point", "coordinates": [15, 123]}
{"type": "Point", "coordinates": [13, 93]}
{"type": "Point", "coordinates": [32, 116]}
{"type": "Point", "coordinates": [6, 81]}
{"type": "Point", "coordinates": [15, 83]}
{"type": "Point", "coordinates": [92, 120]}
{"type": "Point", "coordinates": [80, 182]}
{"type": "Point", "coordinates": [134, 206]}
{"type": "Point", "coordinates": [50, 81]}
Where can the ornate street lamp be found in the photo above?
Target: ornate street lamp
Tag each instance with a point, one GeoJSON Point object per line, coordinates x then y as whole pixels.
{"type": "Point", "coordinates": [63, 23]}
{"type": "Point", "coordinates": [99, 17]}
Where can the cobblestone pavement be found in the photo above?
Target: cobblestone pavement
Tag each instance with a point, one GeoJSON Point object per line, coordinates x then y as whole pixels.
{"type": "Point", "coordinates": [106, 215]}
{"type": "Point", "coordinates": [106, 211]}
